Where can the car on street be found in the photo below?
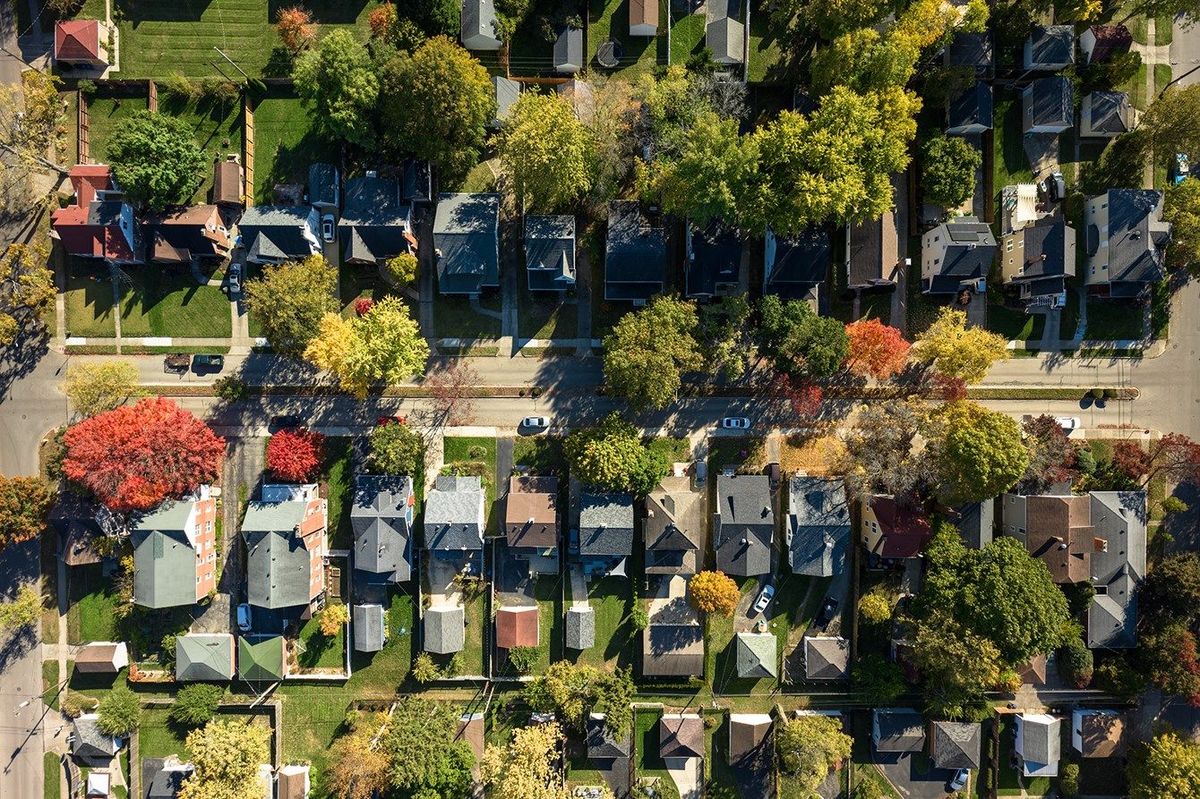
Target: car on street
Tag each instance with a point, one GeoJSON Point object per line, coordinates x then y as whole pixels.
{"type": "Point", "coordinates": [208, 363]}
{"type": "Point", "coordinates": [764, 598]}
{"type": "Point", "coordinates": [284, 422]}
{"type": "Point", "coordinates": [959, 780]}
{"type": "Point", "coordinates": [327, 222]}
{"type": "Point", "coordinates": [243, 617]}
{"type": "Point", "coordinates": [535, 422]}
{"type": "Point", "coordinates": [176, 362]}
{"type": "Point", "coordinates": [1068, 423]}
{"type": "Point", "coordinates": [825, 615]}
{"type": "Point", "coordinates": [233, 278]}
{"type": "Point", "coordinates": [735, 423]}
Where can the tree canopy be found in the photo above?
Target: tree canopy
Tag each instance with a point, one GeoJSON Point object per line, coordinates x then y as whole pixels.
{"type": "Point", "coordinates": [24, 505]}
{"type": "Point", "coordinates": [876, 350]}
{"type": "Point", "coordinates": [289, 301]}
{"type": "Point", "coordinates": [226, 753]}
{"type": "Point", "coordinates": [382, 347]}
{"type": "Point", "coordinates": [713, 592]}
{"type": "Point", "coordinates": [119, 712]}
{"type": "Point", "coordinates": [978, 454]}
{"type": "Point", "coordinates": [95, 388]}
{"type": "Point", "coordinates": [295, 455]}
{"type": "Point", "coordinates": [546, 151]}
{"type": "Point", "coordinates": [948, 167]}
{"type": "Point", "coordinates": [1052, 457]}
{"type": "Point", "coordinates": [798, 341]}
{"type": "Point", "coordinates": [395, 449]}
{"type": "Point", "coordinates": [27, 290]}
{"type": "Point", "coordinates": [611, 457]}
{"type": "Point", "coordinates": [526, 767]}
{"type": "Point", "coordinates": [807, 747]}
{"type": "Point", "coordinates": [711, 175]}
{"type": "Point", "coordinates": [958, 351]}
{"type": "Point", "coordinates": [649, 350]}
{"type": "Point", "coordinates": [1169, 124]}
{"type": "Point", "coordinates": [155, 160]}
{"type": "Point", "coordinates": [573, 691]}
{"type": "Point", "coordinates": [880, 452]}
{"type": "Point", "coordinates": [196, 704]}
{"type": "Point", "coordinates": [1181, 208]}
{"type": "Point", "coordinates": [957, 665]}
{"type": "Point", "coordinates": [358, 770]}
{"type": "Point", "coordinates": [1167, 768]}
{"type": "Point", "coordinates": [420, 743]}
{"type": "Point", "coordinates": [25, 610]}
{"type": "Point", "coordinates": [337, 80]}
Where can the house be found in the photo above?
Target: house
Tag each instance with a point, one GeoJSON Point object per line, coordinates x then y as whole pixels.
{"type": "Point", "coordinates": [175, 552]}
{"type": "Point", "coordinates": [744, 525]}
{"type": "Point", "coordinates": [970, 111]}
{"type": "Point", "coordinates": [1099, 538]}
{"type": "Point", "coordinates": [98, 784]}
{"type": "Point", "coordinates": [635, 253]}
{"type": "Point", "coordinates": [184, 234]}
{"type": "Point", "coordinates": [603, 748]}
{"type": "Point", "coordinates": [164, 777]}
{"type": "Point", "coordinates": [1038, 744]}
{"type": "Point", "coordinates": [286, 548]}
{"type": "Point", "coordinates": [89, 744]}
{"type": "Point", "coordinates": [102, 657]}
{"type": "Point", "coordinates": [480, 29]}
{"type": "Point", "coordinates": [891, 530]}
{"type": "Point", "coordinates": [99, 223]}
{"type": "Point", "coordinates": [324, 187]}
{"type": "Point", "coordinates": [273, 234]}
{"type": "Point", "coordinates": [370, 629]}
{"type": "Point", "coordinates": [531, 521]}
{"type": "Point", "coordinates": [1038, 259]}
{"type": "Point", "coordinates": [264, 660]}
{"type": "Point", "coordinates": [973, 50]}
{"type": "Point", "coordinates": [1106, 115]}
{"type": "Point", "coordinates": [714, 261]}
{"type": "Point", "coordinates": [1098, 733]}
{"type": "Point", "coordinates": [975, 522]}
{"type": "Point", "coordinates": [292, 781]}
{"type": "Point", "coordinates": [455, 517]}
{"type": "Point", "coordinates": [672, 528]}
{"type": "Point", "coordinates": [672, 649]}
{"type": "Point", "coordinates": [1047, 106]}
{"type": "Point", "coordinates": [466, 240]}
{"type": "Point", "coordinates": [444, 628]}
{"type": "Point", "coordinates": [1050, 48]}
{"type": "Point", "coordinates": [568, 51]}
{"type": "Point", "coordinates": [956, 254]}
{"type": "Point", "coordinates": [818, 526]}
{"type": "Point", "coordinates": [643, 17]}
{"type": "Point", "coordinates": [749, 733]}
{"type": "Point", "coordinates": [605, 532]}
{"type": "Point", "coordinates": [1126, 238]}
{"type": "Point", "coordinates": [416, 180]}
{"type": "Point", "coordinates": [897, 730]}
{"type": "Point", "coordinates": [382, 520]}
{"type": "Point", "coordinates": [955, 744]}
{"type": "Point", "coordinates": [1100, 43]}
{"type": "Point", "coordinates": [517, 625]}
{"type": "Point", "coordinates": [826, 657]}
{"type": "Point", "coordinates": [79, 521]}
{"type": "Point", "coordinates": [795, 267]}
{"type": "Point", "coordinates": [550, 252]}
{"type": "Point", "coordinates": [756, 655]}
{"type": "Point", "coordinates": [204, 656]}
{"type": "Point", "coordinates": [580, 632]}
{"type": "Point", "coordinates": [872, 253]}
{"type": "Point", "coordinates": [81, 44]}
{"type": "Point", "coordinates": [680, 736]}
{"type": "Point", "coordinates": [507, 92]}
{"type": "Point", "coordinates": [725, 36]}
{"type": "Point", "coordinates": [376, 223]}
{"type": "Point", "coordinates": [228, 182]}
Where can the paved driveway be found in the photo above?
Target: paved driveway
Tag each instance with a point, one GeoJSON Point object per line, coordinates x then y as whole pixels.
{"type": "Point", "coordinates": [913, 776]}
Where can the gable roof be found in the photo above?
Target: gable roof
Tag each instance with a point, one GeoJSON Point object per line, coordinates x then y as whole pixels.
{"type": "Point", "coordinates": [744, 524]}
{"type": "Point", "coordinates": [517, 626]}
{"type": "Point", "coordinates": [818, 532]}
{"type": "Point", "coordinates": [550, 252]}
{"type": "Point", "coordinates": [165, 559]}
{"type": "Point", "coordinates": [263, 661]}
{"type": "Point", "coordinates": [826, 657]}
{"type": "Point", "coordinates": [102, 657]}
{"type": "Point", "coordinates": [507, 93]}
{"type": "Point", "coordinates": [466, 237]}
{"type": "Point", "coordinates": [77, 40]}
{"type": "Point", "coordinates": [872, 251]}
{"type": "Point", "coordinates": [531, 512]}
{"type": "Point", "coordinates": [975, 522]}
{"type": "Point", "coordinates": [278, 568]}
{"type": "Point", "coordinates": [903, 530]}
{"type": "Point", "coordinates": [962, 248]}
{"type": "Point", "coordinates": [444, 629]}
{"type": "Point", "coordinates": [90, 740]}
{"type": "Point", "coordinates": [898, 730]}
{"type": "Point", "coordinates": [375, 223]}
{"type": "Point", "coordinates": [672, 527]}
{"type": "Point", "coordinates": [1110, 112]}
{"type": "Point", "coordinates": [1117, 567]}
{"type": "Point", "coordinates": [1137, 235]}
{"type": "Point", "coordinates": [454, 514]}
{"type": "Point", "coordinates": [680, 735]}
{"type": "Point", "coordinates": [971, 107]}
{"type": "Point", "coordinates": [672, 650]}
{"type": "Point", "coordinates": [601, 743]}
{"type": "Point", "coordinates": [277, 231]}
{"type": "Point", "coordinates": [1110, 40]}
{"type": "Point", "coordinates": [568, 50]}
{"type": "Point", "coordinates": [796, 266]}
{"type": "Point", "coordinates": [714, 259]}
{"type": "Point", "coordinates": [368, 621]}
{"type": "Point", "coordinates": [956, 744]}
{"type": "Point", "coordinates": [580, 627]}
{"type": "Point", "coordinates": [163, 777]}
{"type": "Point", "coordinates": [643, 12]}
{"type": "Point", "coordinates": [380, 517]}
{"type": "Point", "coordinates": [606, 524]}
{"type": "Point", "coordinates": [204, 656]}
{"type": "Point", "coordinates": [635, 253]}
{"type": "Point", "coordinates": [178, 234]}
{"type": "Point", "coordinates": [747, 732]}
{"type": "Point", "coordinates": [756, 655]}
{"type": "Point", "coordinates": [726, 38]}
{"type": "Point", "coordinates": [1038, 738]}
{"type": "Point", "coordinates": [479, 19]}
{"type": "Point", "coordinates": [1047, 101]}
{"type": "Point", "coordinates": [970, 50]}
{"type": "Point", "coordinates": [227, 182]}
{"type": "Point", "coordinates": [322, 184]}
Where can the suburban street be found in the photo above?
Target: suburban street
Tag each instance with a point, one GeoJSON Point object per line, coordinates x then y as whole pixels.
{"type": "Point", "coordinates": [21, 708]}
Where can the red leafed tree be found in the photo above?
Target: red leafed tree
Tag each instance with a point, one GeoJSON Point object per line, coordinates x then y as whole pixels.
{"type": "Point", "coordinates": [450, 392]}
{"type": "Point", "coordinates": [295, 27]}
{"type": "Point", "coordinates": [1131, 460]}
{"type": "Point", "coordinates": [134, 457]}
{"type": "Point", "coordinates": [1177, 457]}
{"type": "Point", "coordinates": [876, 350]}
{"type": "Point", "coordinates": [294, 456]}
{"type": "Point", "coordinates": [381, 21]}
{"type": "Point", "coordinates": [948, 388]}
{"type": "Point", "coordinates": [804, 396]}
{"type": "Point", "coordinates": [363, 306]}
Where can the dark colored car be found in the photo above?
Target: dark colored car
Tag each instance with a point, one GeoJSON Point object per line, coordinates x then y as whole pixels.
{"type": "Point", "coordinates": [208, 363]}
{"type": "Point", "coordinates": [278, 423]}
{"type": "Point", "coordinates": [826, 613]}
{"type": "Point", "coordinates": [176, 362]}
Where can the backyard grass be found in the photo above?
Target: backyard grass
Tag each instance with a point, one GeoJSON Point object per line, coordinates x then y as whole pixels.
{"type": "Point", "coordinates": [1009, 782]}
{"type": "Point", "coordinates": [105, 116]}
{"type": "Point", "coordinates": [385, 671]}
{"type": "Point", "coordinates": [92, 614]}
{"type": "Point", "coordinates": [476, 456]}
{"type": "Point", "coordinates": [544, 316]}
{"type": "Point", "coordinates": [217, 128]}
{"type": "Point", "coordinates": [687, 37]}
{"type": "Point", "coordinates": [453, 317]}
{"type": "Point", "coordinates": [547, 589]}
{"type": "Point", "coordinates": [1010, 165]}
{"type": "Point", "coordinates": [158, 737]}
{"type": "Point", "coordinates": [766, 51]}
{"type": "Point", "coordinates": [789, 611]}
{"type": "Point", "coordinates": [649, 764]}
{"type": "Point", "coordinates": [615, 645]}
{"type": "Point", "coordinates": [477, 624]}
{"type": "Point", "coordinates": [481, 178]}
{"type": "Point", "coordinates": [720, 664]}
{"type": "Point", "coordinates": [1111, 320]}
{"type": "Point", "coordinates": [608, 20]}
{"type": "Point", "coordinates": [284, 143]}
{"type": "Point", "coordinates": [168, 302]}
{"type": "Point", "coordinates": [321, 651]}
{"type": "Point", "coordinates": [339, 487]}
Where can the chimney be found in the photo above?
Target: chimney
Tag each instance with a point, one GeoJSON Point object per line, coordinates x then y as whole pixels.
{"type": "Point", "coordinates": [1099, 545]}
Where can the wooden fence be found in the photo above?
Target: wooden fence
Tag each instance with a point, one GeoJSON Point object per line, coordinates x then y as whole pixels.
{"type": "Point", "coordinates": [248, 147]}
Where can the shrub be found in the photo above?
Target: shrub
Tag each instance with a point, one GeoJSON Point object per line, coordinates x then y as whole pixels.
{"type": "Point", "coordinates": [1118, 678]}
{"type": "Point", "coordinates": [424, 670]}
{"type": "Point", "coordinates": [476, 452]}
{"type": "Point", "coordinates": [180, 86]}
{"type": "Point", "coordinates": [195, 705]}
{"type": "Point", "coordinates": [401, 270]}
{"type": "Point", "coordinates": [363, 306]}
{"type": "Point", "coordinates": [1075, 662]}
{"type": "Point", "coordinates": [332, 618]}
{"type": "Point", "coordinates": [868, 789]}
{"type": "Point", "coordinates": [523, 658]}
{"type": "Point", "coordinates": [231, 388]}
{"type": "Point", "coordinates": [218, 90]}
{"type": "Point", "coordinates": [75, 705]}
{"type": "Point", "coordinates": [295, 455]}
{"type": "Point", "coordinates": [86, 87]}
{"type": "Point", "coordinates": [713, 592]}
{"type": "Point", "coordinates": [1069, 780]}
{"type": "Point", "coordinates": [874, 608]}
{"type": "Point", "coordinates": [639, 617]}
{"type": "Point", "coordinates": [1174, 505]}
{"type": "Point", "coordinates": [296, 28]}
{"type": "Point", "coordinates": [120, 712]}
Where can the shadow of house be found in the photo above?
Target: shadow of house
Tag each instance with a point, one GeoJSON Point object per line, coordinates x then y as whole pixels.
{"type": "Point", "coordinates": [795, 267]}
{"type": "Point", "coordinates": [751, 751]}
{"type": "Point", "coordinates": [672, 650]}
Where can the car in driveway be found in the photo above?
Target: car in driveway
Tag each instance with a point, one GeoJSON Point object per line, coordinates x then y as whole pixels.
{"type": "Point", "coordinates": [764, 598]}
{"type": "Point", "coordinates": [327, 225]}
{"type": "Point", "coordinates": [208, 363]}
{"type": "Point", "coordinates": [959, 780]}
{"type": "Point", "coordinates": [735, 423]}
{"type": "Point", "coordinates": [243, 617]}
{"type": "Point", "coordinates": [233, 278]}
{"type": "Point", "coordinates": [825, 615]}
{"type": "Point", "coordinates": [535, 423]}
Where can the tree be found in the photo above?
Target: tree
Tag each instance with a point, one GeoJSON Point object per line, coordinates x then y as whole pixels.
{"type": "Point", "coordinates": [383, 347]}
{"type": "Point", "coordinates": [546, 151]}
{"type": "Point", "coordinates": [610, 457]}
{"type": "Point", "coordinates": [450, 390]}
{"type": "Point", "coordinates": [424, 670]}
{"type": "Point", "coordinates": [675, 101]}
{"type": "Point", "coordinates": [724, 334]}
{"type": "Point", "coordinates": [876, 350]}
{"type": "Point", "coordinates": [399, 271]}
{"type": "Point", "coordinates": [33, 124]}
{"type": "Point", "coordinates": [713, 592]}
{"type": "Point", "coordinates": [880, 452]}
{"type": "Point", "coordinates": [135, 456]}
{"type": "Point", "coordinates": [876, 680]}
{"type": "Point", "coordinates": [1169, 123]}
{"type": "Point", "coordinates": [1131, 460]}
{"type": "Point", "coordinates": [959, 351]}
{"type": "Point", "coordinates": [295, 455]}
{"type": "Point", "coordinates": [226, 754]}
{"type": "Point", "coordinates": [798, 341]}
{"type": "Point", "coordinates": [195, 705]}
{"type": "Point", "coordinates": [421, 744]}
{"type": "Point", "coordinates": [948, 174]}
{"type": "Point", "coordinates": [357, 769]}
{"type": "Point", "coordinates": [957, 665]}
{"type": "Point", "coordinates": [977, 453]}
{"type": "Point", "coordinates": [95, 388]}
{"type": "Point", "coordinates": [337, 80]}
{"type": "Point", "coordinates": [1052, 459]}
{"type": "Point", "coordinates": [1172, 589]}
{"type": "Point", "coordinates": [573, 691]}
{"type": "Point", "coordinates": [1176, 457]}
{"type": "Point", "coordinates": [1069, 781]}
{"type": "Point", "coordinates": [455, 95]}
{"type": "Point", "coordinates": [289, 301]}
{"type": "Point", "coordinates": [119, 712]}
{"type": "Point", "coordinates": [711, 175]}
{"type": "Point", "coordinates": [874, 607]}
{"type": "Point", "coordinates": [27, 290]}
{"type": "Point", "coordinates": [25, 610]}
{"type": "Point", "coordinates": [1169, 654]}
{"type": "Point", "coordinates": [831, 17]}
{"type": "Point", "coordinates": [24, 504]}
{"type": "Point", "coordinates": [865, 60]}
{"type": "Point", "coordinates": [808, 747]}
{"type": "Point", "coordinates": [332, 618]}
{"type": "Point", "coordinates": [803, 395]}
{"type": "Point", "coordinates": [155, 159]}
{"type": "Point", "coordinates": [649, 350]}
{"type": "Point", "coordinates": [395, 449]}
{"type": "Point", "coordinates": [1181, 208]}
{"type": "Point", "coordinates": [1075, 662]}
{"type": "Point", "coordinates": [527, 767]}
{"type": "Point", "coordinates": [1168, 768]}
{"type": "Point", "coordinates": [295, 28]}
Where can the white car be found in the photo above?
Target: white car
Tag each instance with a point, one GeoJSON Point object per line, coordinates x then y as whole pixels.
{"type": "Point", "coordinates": [959, 780]}
{"type": "Point", "coordinates": [327, 227]}
{"type": "Point", "coordinates": [764, 598]}
{"type": "Point", "coordinates": [735, 423]}
{"type": "Point", "coordinates": [1068, 423]}
{"type": "Point", "coordinates": [243, 617]}
{"type": "Point", "coordinates": [535, 422]}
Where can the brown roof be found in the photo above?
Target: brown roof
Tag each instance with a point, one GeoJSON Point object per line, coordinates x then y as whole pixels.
{"type": "Point", "coordinates": [747, 731]}
{"type": "Point", "coordinates": [98, 658]}
{"type": "Point", "coordinates": [904, 531]}
{"type": "Point", "coordinates": [227, 182]}
{"type": "Point", "coordinates": [531, 512]}
{"type": "Point", "coordinates": [1033, 671]}
{"type": "Point", "coordinates": [1058, 531]}
{"type": "Point", "coordinates": [680, 735]}
{"type": "Point", "coordinates": [673, 650]}
{"type": "Point", "coordinates": [1110, 40]}
{"type": "Point", "coordinates": [643, 12]}
{"type": "Point", "coordinates": [517, 626]}
{"type": "Point", "coordinates": [470, 729]}
{"type": "Point", "coordinates": [78, 550]}
{"type": "Point", "coordinates": [1102, 734]}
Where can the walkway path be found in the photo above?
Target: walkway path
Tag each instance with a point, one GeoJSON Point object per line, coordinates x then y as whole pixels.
{"type": "Point", "coordinates": [1151, 54]}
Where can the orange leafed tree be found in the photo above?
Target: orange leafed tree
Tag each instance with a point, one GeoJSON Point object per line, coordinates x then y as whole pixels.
{"type": "Point", "coordinates": [295, 27]}
{"type": "Point", "coordinates": [876, 350]}
{"type": "Point", "coordinates": [295, 455]}
{"type": "Point", "coordinates": [713, 592]}
{"type": "Point", "coordinates": [134, 457]}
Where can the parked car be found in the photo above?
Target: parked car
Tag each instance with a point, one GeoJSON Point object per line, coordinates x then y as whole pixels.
{"type": "Point", "coordinates": [233, 278]}
{"type": "Point", "coordinates": [208, 363]}
{"type": "Point", "coordinates": [176, 362]}
{"type": "Point", "coordinates": [735, 423]}
{"type": "Point", "coordinates": [327, 227]}
{"type": "Point", "coordinates": [284, 422]}
{"type": "Point", "coordinates": [1068, 423]}
{"type": "Point", "coordinates": [959, 780]}
{"type": "Point", "coordinates": [243, 617]}
{"type": "Point", "coordinates": [826, 613]}
{"type": "Point", "coordinates": [1181, 168]}
{"type": "Point", "coordinates": [1054, 187]}
{"type": "Point", "coordinates": [764, 598]}
{"type": "Point", "coordinates": [573, 542]}
{"type": "Point", "coordinates": [535, 422]}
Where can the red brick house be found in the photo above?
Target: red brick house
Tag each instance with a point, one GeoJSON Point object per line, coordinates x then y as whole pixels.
{"type": "Point", "coordinates": [99, 224]}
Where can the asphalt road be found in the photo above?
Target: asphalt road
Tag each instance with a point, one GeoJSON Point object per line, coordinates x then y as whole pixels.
{"type": "Point", "coordinates": [31, 403]}
{"type": "Point", "coordinates": [1185, 52]}
{"type": "Point", "coordinates": [21, 708]}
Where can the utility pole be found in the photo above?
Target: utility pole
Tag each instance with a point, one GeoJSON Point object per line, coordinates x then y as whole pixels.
{"type": "Point", "coordinates": [230, 60]}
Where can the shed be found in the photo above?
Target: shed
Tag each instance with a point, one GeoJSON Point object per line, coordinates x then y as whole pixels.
{"type": "Point", "coordinates": [102, 657]}
{"type": "Point", "coordinates": [204, 656]}
{"type": "Point", "coordinates": [826, 657]}
{"type": "Point", "coordinates": [444, 629]}
{"type": "Point", "coordinates": [369, 628]}
{"type": "Point", "coordinates": [1038, 744]}
{"type": "Point", "coordinates": [264, 661]}
{"type": "Point", "coordinates": [568, 51]}
{"type": "Point", "coordinates": [726, 38]}
{"type": "Point", "coordinates": [757, 655]}
{"type": "Point", "coordinates": [581, 627]}
{"type": "Point", "coordinates": [898, 730]}
{"type": "Point", "coordinates": [956, 744]}
{"type": "Point", "coordinates": [517, 626]}
{"type": "Point", "coordinates": [747, 733]}
{"type": "Point", "coordinates": [643, 17]}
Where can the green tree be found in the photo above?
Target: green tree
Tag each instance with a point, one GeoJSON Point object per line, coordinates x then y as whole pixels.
{"type": "Point", "coordinates": [395, 449]}
{"type": "Point", "coordinates": [289, 301]}
{"type": "Point", "coordinates": [1169, 124]}
{"type": "Point", "coordinates": [546, 151]}
{"type": "Point", "coordinates": [611, 457]}
{"type": "Point", "coordinates": [1069, 782]}
{"type": "Point", "coordinates": [724, 335]}
{"type": "Point", "coordinates": [1181, 207]}
{"type": "Point", "coordinates": [96, 388]}
{"type": "Point", "coordinates": [949, 165]}
{"type": "Point", "coordinates": [674, 103]}
{"type": "Point", "coordinates": [455, 96]}
{"type": "Point", "coordinates": [382, 347]}
{"type": "Point", "coordinates": [957, 665]}
{"type": "Point", "coordinates": [1172, 589]}
{"type": "Point", "coordinates": [573, 691]}
{"type": "Point", "coordinates": [958, 351]}
{"type": "Point", "coordinates": [876, 680]}
{"type": "Point", "coordinates": [798, 341]}
{"type": "Point", "coordinates": [874, 607]}
{"type": "Point", "coordinates": [226, 753]}
{"type": "Point", "coordinates": [1169, 767]}
{"type": "Point", "coordinates": [711, 175]}
{"type": "Point", "coordinates": [649, 350]}
{"type": "Point", "coordinates": [864, 60]}
{"type": "Point", "coordinates": [421, 743]}
{"type": "Point", "coordinates": [155, 160]}
{"type": "Point", "coordinates": [24, 504]}
{"type": "Point", "coordinates": [195, 705]}
{"type": "Point", "coordinates": [808, 747]}
{"type": "Point", "coordinates": [424, 670]}
{"type": "Point", "coordinates": [27, 290]}
{"type": "Point", "coordinates": [831, 17]}
{"type": "Point", "coordinates": [119, 712]}
{"type": "Point", "coordinates": [527, 767]}
{"type": "Point", "coordinates": [25, 610]}
{"type": "Point", "coordinates": [337, 80]}
{"type": "Point", "coordinates": [1075, 662]}
{"type": "Point", "coordinates": [977, 453]}
{"type": "Point", "coordinates": [400, 271]}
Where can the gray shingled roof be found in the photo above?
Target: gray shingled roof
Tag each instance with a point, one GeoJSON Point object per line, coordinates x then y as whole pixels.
{"type": "Point", "coordinates": [90, 742]}
{"type": "Point", "coordinates": [818, 526]}
{"type": "Point", "coordinates": [568, 50]}
{"type": "Point", "coordinates": [581, 627]}
{"type": "Point", "coordinates": [956, 744]}
{"type": "Point", "coordinates": [204, 656]}
{"type": "Point", "coordinates": [444, 625]}
{"type": "Point", "coordinates": [826, 658]}
{"type": "Point", "coordinates": [714, 259]}
{"type": "Point", "coordinates": [466, 236]}
{"type": "Point", "coordinates": [1111, 112]}
{"type": "Point", "coordinates": [368, 622]}
{"type": "Point", "coordinates": [454, 514]}
{"type": "Point", "coordinates": [795, 267]}
{"type": "Point", "coordinates": [478, 19]}
{"type": "Point", "coordinates": [1041, 739]}
{"type": "Point", "coordinates": [164, 560]}
{"type": "Point", "coordinates": [277, 564]}
{"type": "Point", "coordinates": [606, 524]}
{"type": "Point", "coordinates": [1047, 102]}
{"type": "Point", "coordinates": [163, 781]}
{"type": "Point", "coordinates": [322, 184]}
{"type": "Point", "coordinates": [744, 524]}
{"type": "Point", "coordinates": [726, 38]}
{"type": "Point", "coordinates": [1119, 519]}
{"type": "Point", "coordinates": [380, 519]}
{"type": "Point", "coordinates": [970, 108]}
{"type": "Point", "coordinates": [1136, 238]}
{"type": "Point", "coordinates": [276, 231]}
{"type": "Point", "coordinates": [507, 93]}
{"type": "Point", "coordinates": [960, 249]}
{"type": "Point", "coordinates": [898, 730]}
{"type": "Point", "coordinates": [1050, 47]}
{"type": "Point", "coordinates": [635, 253]}
{"type": "Point", "coordinates": [970, 50]}
{"type": "Point", "coordinates": [374, 221]}
{"type": "Point", "coordinates": [550, 252]}
{"type": "Point", "coordinates": [601, 745]}
{"type": "Point", "coordinates": [757, 655]}
{"type": "Point", "coordinates": [975, 523]}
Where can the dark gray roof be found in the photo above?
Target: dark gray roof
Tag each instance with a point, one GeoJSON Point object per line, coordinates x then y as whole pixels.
{"type": "Point", "coordinates": [601, 744]}
{"type": "Point", "coordinates": [322, 184]}
{"type": "Point", "coordinates": [826, 658]}
{"type": "Point", "coordinates": [635, 253]}
{"type": "Point", "coordinates": [796, 266]}
{"type": "Point", "coordinates": [368, 621]}
{"type": "Point", "coordinates": [550, 252]}
{"type": "Point", "coordinates": [962, 249]}
{"type": "Point", "coordinates": [898, 730]}
{"type": "Point", "coordinates": [444, 629]}
{"type": "Point", "coordinates": [714, 260]}
{"type": "Point", "coordinates": [1047, 102]}
{"type": "Point", "coordinates": [1045, 246]}
{"type": "Point", "coordinates": [673, 650]}
{"type": "Point", "coordinates": [568, 50]}
{"type": "Point", "coordinates": [744, 524]}
{"type": "Point", "coordinates": [756, 655]}
{"type": "Point", "coordinates": [72, 511]}
{"type": "Point", "coordinates": [972, 107]}
{"type": "Point", "coordinates": [672, 530]}
{"type": "Point", "coordinates": [1136, 238]}
{"type": "Point", "coordinates": [1050, 47]}
{"type": "Point", "coordinates": [163, 779]}
{"type": "Point", "coordinates": [465, 234]}
{"type": "Point", "coordinates": [580, 628]}
{"type": "Point", "coordinates": [956, 744]}
{"type": "Point", "coordinates": [106, 212]}
{"type": "Point", "coordinates": [204, 656]}
{"type": "Point", "coordinates": [970, 50]}
{"type": "Point", "coordinates": [818, 526]}
{"type": "Point", "coordinates": [277, 565]}
{"type": "Point", "coordinates": [1118, 519]}
{"type": "Point", "coordinates": [381, 516]}
{"type": "Point", "coordinates": [375, 221]}
{"type": "Point", "coordinates": [975, 523]}
{"type": "Point", "coordinates": [454, 514]}
{"type": "Point", "coordinates": [479, 19]}
{"type": "Point", "coordinates": [1111, 112]}
{"type": "Point", "coordinates": [415, 182]}
{"type": "Point", "coordinates": [276, 231]}
{"type": "Point", "coordinates": [606, 524]}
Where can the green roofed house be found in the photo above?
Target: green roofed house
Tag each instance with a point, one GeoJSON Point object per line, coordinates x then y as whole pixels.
{"type": "Point", "coordinates": [174, 552]}
{"type": "Point", "coordinates": [264, 661]}
{"type": "Point", "coordinates": [756, 655]}
{"type": "Point", "coordinates": [204, 656]}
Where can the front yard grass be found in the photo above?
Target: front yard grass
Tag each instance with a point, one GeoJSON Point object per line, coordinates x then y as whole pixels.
{"type": "Point", "coordinates": [544, 316]}
{"type": "Point", "coordinates": [611, 600]}
{"type": "Point", "coordinates": [321, 651]}
{"type": "Point", "coordinates": [649, 764]}
{"type": "Point", "coordinates": [92, 612]}
{"type": "Point", "coordinates": [453, 317]}
{"type": "Point", "coordinates": [475, 456]}
{"type": "Point", "coordinates": [89, 300]}
{"type": "Point", "coordinates": [169, 302]}
{"type": "Point", "coordinates": [1113, 320]}
{"type": "Point", "coordinates": [1015, 324]}
{"type": "Point", "coordinates": [284, 143]}
{"type": "Point", "coordinates": [542, 454]}
{"type": "Point", "coordinates": [339, 487]}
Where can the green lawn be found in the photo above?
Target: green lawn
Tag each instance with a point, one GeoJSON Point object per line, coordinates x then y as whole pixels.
{"type": "Point", "coordinates": [453, 317]}
{"type": "Point", "coordinates": [765, 46]}
{"type": "Point", "coordinates": [1010, 782]}
{"type": "Point", "coordinates": [385, 671]}
{"type": "Point", "coordinates": [168, 302]}
{"type": "Point", "coordinates": [687, 37]}
{"type": "Point", "coordinates": [544, 316]}
{"type": "Point", "coordinates": [616, 640]}
{"type": "Point", "coordinates": [1111, 320]}
{"type": "Point", "coordinates": [542, 454]}
{"type": "Point", "coordinates": [339, 488]}
{"type": "Point", "coordinates": [716, 762]}
{"type": "Point", "coordinates": [1013, 323]}
{"type": "Point", "coordinates": [1010, 163]}
{"type": "Point", "coordinates": [321, 651]}
{"type": "Point", "coordinates": [284, 143]}
{"type": "Point", "coordinates": [92, 614]}
{"type": "Point", "coordinates": [547, 589]}
{"type": "Point", "coordinates": [476, 456]}
{"type": "Point", "coordinates": [217, 128]}
{"type": "Point", "coordinates": [609, 20]}
{"type": "Point", "coordinates": [89, 300]}
{"type": "Point", "coordinates": [477, 623]}
{"type": "Point", "coordinates": [480, 179]}
{"type": "Point", "coordinates": [1136, 87]}
{"type": "Point", "coordinates": [52, 789]}
{"type": "Point", "coordinates": [158, 737]}
{"type": "Point", "coordinates": [649, 764]}
{"type": "Point", "coordinates": [105, 115]}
